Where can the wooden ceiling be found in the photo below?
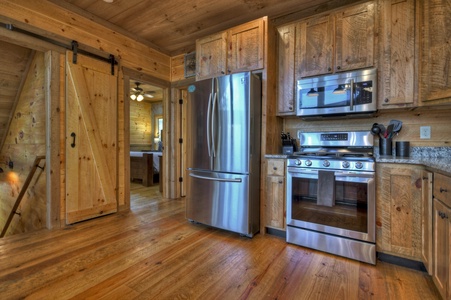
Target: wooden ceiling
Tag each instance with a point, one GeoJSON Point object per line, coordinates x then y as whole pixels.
{"type": "Point", "coordinates": [172, 26]}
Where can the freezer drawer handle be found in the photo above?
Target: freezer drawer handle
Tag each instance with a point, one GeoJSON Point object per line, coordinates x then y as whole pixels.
{"type": "Point", "coordinates": [216, 179]}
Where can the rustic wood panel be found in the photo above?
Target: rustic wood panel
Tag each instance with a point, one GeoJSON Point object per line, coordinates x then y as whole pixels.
{"type": "Point", "coordinates": [398, 210]}
{"type": "Point", "coordinates": [153, 252]}
{"type": "Point", "coordinates": [286, 79]}
{"type": "Point", "coordinates": [141, 125]}
{"type": "Point", "coordinates": [25, 140]}
{"type": "Point", "coordinates": [178, 67]}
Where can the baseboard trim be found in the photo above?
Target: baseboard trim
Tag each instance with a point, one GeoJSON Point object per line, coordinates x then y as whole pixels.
{"type": "Point", "coordinates": [401, 261]}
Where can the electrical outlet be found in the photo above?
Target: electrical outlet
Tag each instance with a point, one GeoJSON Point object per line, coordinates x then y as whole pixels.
{"type": "Point", "coordinates": [425, 132]}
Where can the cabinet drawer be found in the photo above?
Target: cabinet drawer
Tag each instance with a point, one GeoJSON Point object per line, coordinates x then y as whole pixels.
{"type": "Point", "coordinates": [442, 188]}
{"type": "Point", "coordinates": [276, 167]}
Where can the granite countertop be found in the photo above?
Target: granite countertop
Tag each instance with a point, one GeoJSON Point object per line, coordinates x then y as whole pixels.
{"type": "Point", "coordinates": [437, 159]}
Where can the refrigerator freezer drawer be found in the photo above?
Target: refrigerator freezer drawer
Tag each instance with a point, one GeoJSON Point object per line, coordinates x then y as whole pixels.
{"type": "Point", "coordinates": [222, 200]}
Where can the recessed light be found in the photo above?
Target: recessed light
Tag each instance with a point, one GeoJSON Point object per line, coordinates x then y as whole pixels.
{"type": "Point", "coordinates": [108, 1]}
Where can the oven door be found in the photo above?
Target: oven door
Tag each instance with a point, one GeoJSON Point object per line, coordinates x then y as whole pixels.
{"type": "Point", "coordinates": [350, 212]}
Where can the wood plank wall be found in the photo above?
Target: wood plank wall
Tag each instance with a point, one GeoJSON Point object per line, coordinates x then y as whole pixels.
{"type": "Point", "coordinates": [25, 140]}
{"type": "Point", "coordinates": [140, 125]}
{"type": "Point", "coordinates": [438, 118]}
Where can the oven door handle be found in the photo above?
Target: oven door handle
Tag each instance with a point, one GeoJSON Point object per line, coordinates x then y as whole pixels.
{"type": "Point", "coordinates": [354, 174]}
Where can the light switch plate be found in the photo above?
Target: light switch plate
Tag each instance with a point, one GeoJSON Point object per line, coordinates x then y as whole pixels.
{"type": "Point", "coordinates": [425, 132]}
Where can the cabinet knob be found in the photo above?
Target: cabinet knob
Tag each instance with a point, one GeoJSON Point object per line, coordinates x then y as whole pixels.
{"type": "Point", "coordinates": [280, 181]}
{"type": "Point", "coordinates": [386, 100]}
{"type": "Point", "coordinates": [274, 168]}
{"type": "Point", "coordinates": [442, 190]}
{"type": "Point", "coordinates": [290, 108]}
{"type": "Point", "coordinates": [329, 69]}
{"type": "Point", "coordinates": [338, 67]}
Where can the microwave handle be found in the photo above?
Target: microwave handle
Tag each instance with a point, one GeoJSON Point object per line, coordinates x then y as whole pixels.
{"type": "Point", "coordinates": [351, 105]}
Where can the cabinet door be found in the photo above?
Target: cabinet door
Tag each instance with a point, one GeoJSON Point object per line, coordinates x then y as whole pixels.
{"type": "Point", "coordinates": [426, 221]}
{"type": "Point", "coordinates": [275, 202]}
{"type": "Point", "coordinates": [441, 248]}
{"type": "Point", "coordinates": [286, 86]}
{"type": "Point", "coordinates": [398, 55]}
{"type": "Point", "coordinates": [354, 37]}
{"type": "Point", "coordinates": [435, 80]}
{"type": "Point", "coordinates": [246, 46]}
{"type": "Point", "coordinates": [399, 210]}
{"type": "Point", "coordinates": [315, 46]}
{"type": "Point", "coordinates": [211, 56]}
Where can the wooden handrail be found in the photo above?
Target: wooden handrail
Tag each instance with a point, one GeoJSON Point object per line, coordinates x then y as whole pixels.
{"type": "Point", "coordinates": [22, 193]}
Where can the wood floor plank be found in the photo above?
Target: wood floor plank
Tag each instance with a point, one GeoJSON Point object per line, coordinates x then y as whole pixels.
{"type": "Point", "coordinates": [153, 252]}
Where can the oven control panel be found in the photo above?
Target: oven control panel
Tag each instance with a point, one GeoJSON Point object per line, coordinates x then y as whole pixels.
{"type": "Point", "coordinates": [335, 164]}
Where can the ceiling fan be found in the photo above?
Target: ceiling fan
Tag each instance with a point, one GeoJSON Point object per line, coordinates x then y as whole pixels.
{"type": "Point", "coordinates": [138, 94]}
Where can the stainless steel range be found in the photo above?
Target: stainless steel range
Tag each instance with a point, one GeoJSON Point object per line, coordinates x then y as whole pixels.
{"type": "Point", "coordinates": [331, 194]}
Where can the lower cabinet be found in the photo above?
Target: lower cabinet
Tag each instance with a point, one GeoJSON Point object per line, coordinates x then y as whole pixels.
{"type": "Point", "coordinates": [441, 231]}
{"type": "Point", "coordinates": [275, 206]}
{"type": "Point", "coordinates": [398, 210]}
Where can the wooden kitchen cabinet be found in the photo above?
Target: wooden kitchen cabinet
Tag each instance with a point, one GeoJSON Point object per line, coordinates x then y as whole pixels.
{"type": "Point", "coordinates": [316, 36]}
{"type": "Point", "coordinates": [211, 55]}
{"type": "Point", "coordinates": [238, 49]}
{"type": "Point", "coordinates": [397, 50]}
{"type": "Point", "coordinates": [275, 207]}
{"type": "Point", "coordinates": [441, 231]}
{"type": "Point", "coordinates": [341, 41]}
{"type": "Point", "coordinates": [286, 85]}
{"type": "Point", "coordinates": [426, 220]}
{"type": "Point", "coordinates": [398, 210]}
{"type": "Point", "coordinates": [435, 49]}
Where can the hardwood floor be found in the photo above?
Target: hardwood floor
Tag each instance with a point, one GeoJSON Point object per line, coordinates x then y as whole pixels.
{"type": "Point", "coordinates": [153, 252]}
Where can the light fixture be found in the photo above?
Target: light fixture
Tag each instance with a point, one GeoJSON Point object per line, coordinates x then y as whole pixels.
{"type": "Point", "coordinates": [341, 89]}
{"type": "Point", "coordinates": [137, 93]}
{"type": "Point", "coordinates": [312, 93]}
{"type": "Point", "coordinates": [108, 1]}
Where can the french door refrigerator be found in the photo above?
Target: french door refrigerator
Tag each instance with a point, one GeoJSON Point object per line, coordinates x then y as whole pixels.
{"type": "Point", "coordinates": [223, 160]}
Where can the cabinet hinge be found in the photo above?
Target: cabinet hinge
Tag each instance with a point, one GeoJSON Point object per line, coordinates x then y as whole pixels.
{"type": "Point", "coordinates": [180, 141]}
{"type": "Point", "coordinates": [180, 179]}
{"type": "Point", "coordinates": [180, 101]}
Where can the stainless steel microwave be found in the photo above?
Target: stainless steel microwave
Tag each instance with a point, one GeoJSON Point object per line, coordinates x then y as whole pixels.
{"type": "Point", "coordinates": [344, 94]}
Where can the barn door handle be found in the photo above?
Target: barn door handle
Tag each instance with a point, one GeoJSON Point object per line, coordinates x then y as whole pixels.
{"type": "Point", "coordinates": [73, 142]}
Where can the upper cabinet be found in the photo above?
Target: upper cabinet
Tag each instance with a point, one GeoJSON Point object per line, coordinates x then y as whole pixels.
{"type": "Point", "coordinates": [315, 46]}
{"type": "Point", "coordinates": [435, 48]}
{"type": "Point", "coordinates": [397, 55]}
{"type": "Point", "coordinates": [238, 49]}
{"type": "Point", "coordinates": [337, 42]}
{"type": "Point", "coordinates": [354, 37]}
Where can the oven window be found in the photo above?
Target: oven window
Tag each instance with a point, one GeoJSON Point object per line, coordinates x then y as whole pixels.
{"type": "Point", "coordinates": [348, 210]}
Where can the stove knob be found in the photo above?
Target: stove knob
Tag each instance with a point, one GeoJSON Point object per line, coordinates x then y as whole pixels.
{"type": "Point", "coordinates": [345, 164]}
{"type": "Point", "coordinates": [308, 163]}
{"type": "Point", "coordinates": [326, 163]}
{"type": "Point", "coordinates": [298, 162]}
{"type": "Point", "coordinates": [358, 165]}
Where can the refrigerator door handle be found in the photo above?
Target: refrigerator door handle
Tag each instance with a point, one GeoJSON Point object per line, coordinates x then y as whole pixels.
{"type": "Point", "coordinates": [208, 125]}
{"type": "Point", "coordinates": [216, 179]}
{"type": "Point", "coordinates": [213, 120]}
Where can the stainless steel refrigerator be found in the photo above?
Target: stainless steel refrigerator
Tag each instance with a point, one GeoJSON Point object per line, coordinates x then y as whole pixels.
{"type": "Point", "coordinates": [223, 160]}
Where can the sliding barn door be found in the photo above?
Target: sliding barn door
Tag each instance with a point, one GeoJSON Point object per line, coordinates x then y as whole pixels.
{"type": "Point", "coordinates": [91, 139]}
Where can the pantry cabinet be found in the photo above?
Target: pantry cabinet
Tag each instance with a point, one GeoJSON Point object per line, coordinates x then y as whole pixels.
{"type": "Point", "coordinates": [435, 63]}
{"type": "Point", "coordinates": [398, 210]}
{"type": "Point", "coordinates": [441, 231]}
{"type": "Point", "coordinates": [397, 55]}
{"type": "Point", "coordinates": [240, 48]}
{"type": "Point", "coordinates": [275, 207]}
{"type": "Point", "coordinates": [286, 78]}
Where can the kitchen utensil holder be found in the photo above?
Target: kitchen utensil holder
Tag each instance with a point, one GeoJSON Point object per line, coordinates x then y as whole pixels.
{"type": "Point", "coordinates": [402, 149]}
{"type": "Point", "coordinates": [385, 146]}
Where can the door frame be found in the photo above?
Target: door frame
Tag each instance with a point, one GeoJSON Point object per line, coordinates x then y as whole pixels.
{"type": "Point", "coordinates": [124, 152]}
